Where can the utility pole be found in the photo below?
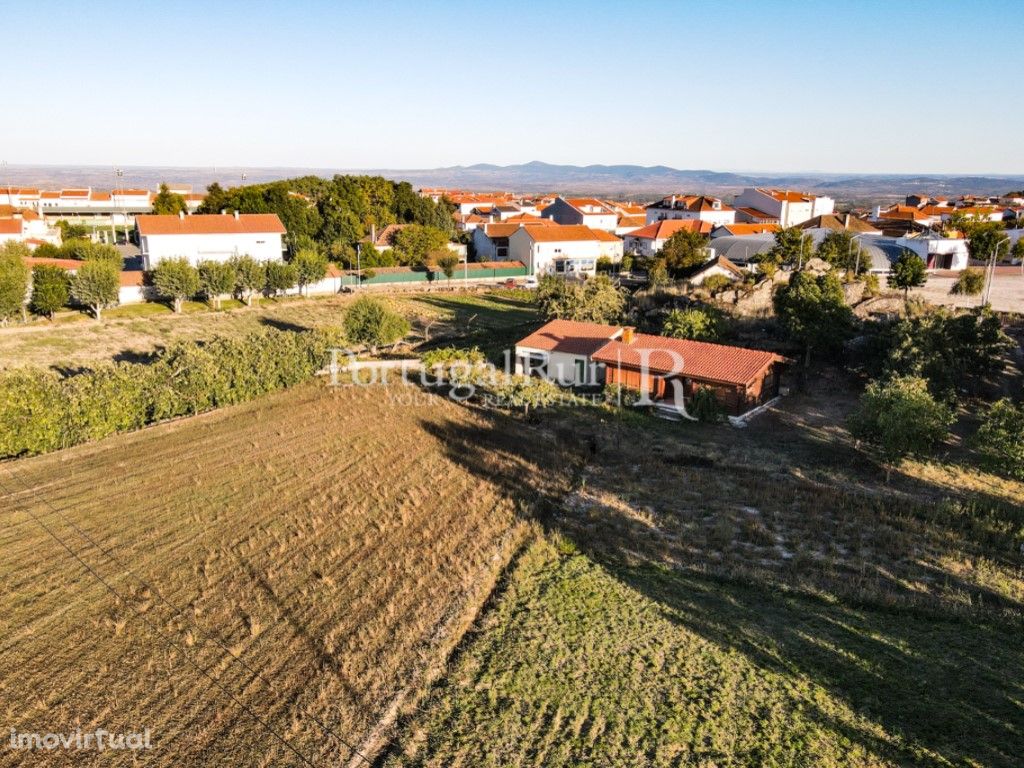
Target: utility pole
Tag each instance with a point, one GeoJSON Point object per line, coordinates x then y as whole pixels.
{"type": "Point", "coordinates": [990, 273]}
{"type": "Point", "coordinates": [359, 269]}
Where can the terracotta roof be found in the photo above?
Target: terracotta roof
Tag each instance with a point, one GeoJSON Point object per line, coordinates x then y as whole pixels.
{"type": "Point", "coordinates": [756, 213]}
{"type": "Point", "coordinates": [38, 261]}
{"type": "Point", "coordinates": [386, 237]}
{"type": "Point", "coordinates": [210, 224]}
{"type": "Point", "coordinates": [74, 193]}
{"type": "Point", "coordinates": [564, 233]}
{"type": "Point", "coordinates": [10, 226]}
{"type": "Point", "coordinates": [608, 237]}
{"type": "Point", "coordinates": [786, 195]}
{"type": "Point", "coordinates": [749, 229]}
{"type": "Point", "coordinates": [722, 263]}
{"type": "Point", "coordinates": [663, 230]}
{"type": "Point", "coordinates": [132, 277]}
{"type": "Point", "coordinates": [632, 221]}
{"type": "Point", "coordinates": [838, 223]}
{"type": "Point", "coordinates": [505, 229]}
{"type": "Point", "coordinates": [100, 196]}
{"type": "Point", "coordinates": [696, 359]}
{"type": "Point", "coordinates": [130, 192]}
{"type": "Point", "coordinates": [50, 195]}
{"type": "Point", "coordinates": [691, 203]}
{"type": "Point", "coordinates": [570, 337]}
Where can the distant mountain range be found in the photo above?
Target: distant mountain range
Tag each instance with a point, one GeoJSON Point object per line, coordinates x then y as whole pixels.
{"type": "Point", "coordinates": [617, 181]}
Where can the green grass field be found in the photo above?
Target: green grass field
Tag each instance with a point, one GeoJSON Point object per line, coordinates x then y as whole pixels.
{"type": "Point", "coordinates": [583, 664]}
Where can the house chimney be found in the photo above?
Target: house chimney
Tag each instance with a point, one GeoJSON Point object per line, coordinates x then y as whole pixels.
{"type": "Point", "coordinates": [627, 334]}
{"type": "Point", "coordinates": [672, 202]}
{"type": "Point", "coordinates": [236, 215]}
{"type": "Point", "coordinates": [181, 215]}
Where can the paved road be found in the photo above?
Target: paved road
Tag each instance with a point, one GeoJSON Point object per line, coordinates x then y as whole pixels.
{"type": "Point", "coordinates": [1007, 291]}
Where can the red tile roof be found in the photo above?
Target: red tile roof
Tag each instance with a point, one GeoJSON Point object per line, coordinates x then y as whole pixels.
{"type": "Point", "coordinates": [210, 224]}
{"type": "Point", "coordinates": [10, 226]}
{"type": "Point", "coordinates": [663, 230]}
{"type": "Point", "coordinates": [695, 359]}
{"type": "Point", "coordinates": [632, 220]}
{"type": "Point", "coordinates": [38, 261]}
{"type": "Point", "coordinates": [570, 337]}
{"type": "Point", "coordinates": [564, 233]}
{"type": "Point", "coordinates": [750, 229]}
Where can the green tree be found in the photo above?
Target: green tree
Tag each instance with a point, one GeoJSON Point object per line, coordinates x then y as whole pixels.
{"type": "Point", "coordinates": [697, 323]}
{"type": "Point", "coordinates": [525, 392]}
{"type": "Point", "coordinates": [1000, 439]}
{"type": "Point", "coordinates": [813, 310]}
{"type": "Point", "coordinates": [987, 238]}
{"type": "Point", "coordinates": [281, 277]}
{"type": "Point", "coordinates": [1018, 251]}
{"type": "Point", "coordinates": [371, 323]}
{"type": "Point", "coordinates": [250, 276]}
{"type": "Point", "coordinates": [414, 243]}
{"type": "Point", "coordinates": [169, 204]}
{"type": "Point", "coordinates": [899, 418]}
{"type": "Point", "coordinates": [684, 250]}
{"type": "Point", "coordinates": [86, 250]}
{"type": "Point", "coordinates": [792, 248]}
{"type": "Point", "coordinates": [69, 231]}
{"type": "Point", "coordinates": [970, 283]}
{"type": "Point", "coordinates": [597, 300]}
{"type": "Point", "coordinates": [841, 251]}
{"type": "Point", "coordinates": [96, 284]}
{"type": "Point", "coordinates": [626, 265]}
{"type": "Point", "coordinates": [14, 278]}
{"type": "Point", "coordinates": [950, 351]}
{"type": "Point", "coordinates": [310, 267]}
{"type": "Point", "coordinates": [447, 261]}
{"type": "Point", "coordinates": [715, 284]}
{"type": "Point", "coordinates": [908, 272]}
{"type": "Point", "coordinates": [657, 274]}
{"type": "Point", "coordinates": [216, 278]}
{"type": "Point", "coordinates": [51, 289]}
{"type": "Point", "coordinates": [177, 280]}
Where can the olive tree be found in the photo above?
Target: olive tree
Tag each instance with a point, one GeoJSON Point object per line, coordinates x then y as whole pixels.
{"type": "Point", "coordinates": [96, 284]}
{"type": "Point", "coordinates": [250, 276]}
{"type": "Point", "coordinates": [310, 267]}
{"type": "Point", "coordinates": [51, 289]}
{"type": "Point", "coordinates": [372, 324]}
{"type": "Point", "coordinates": [176, 279]}
{"type": "Point", "coordinates": [899, 418]}
{"type": "Point", "coordinates": [216, 278]}
{"type": "Point", "coordinates": [14, 276]}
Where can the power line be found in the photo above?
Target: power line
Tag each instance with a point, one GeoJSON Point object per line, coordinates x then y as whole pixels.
{"type": "Point", "coordinates": [162, 636]}
{"type": "Point", "coordinates": [212, 637]}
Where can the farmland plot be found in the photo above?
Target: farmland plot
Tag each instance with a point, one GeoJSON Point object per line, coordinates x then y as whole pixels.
{"type": "Point", "coordinates": [307, 559]}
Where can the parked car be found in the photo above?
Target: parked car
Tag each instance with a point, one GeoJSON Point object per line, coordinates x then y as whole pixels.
{"type": "Point", "coordinates": [530, 282]}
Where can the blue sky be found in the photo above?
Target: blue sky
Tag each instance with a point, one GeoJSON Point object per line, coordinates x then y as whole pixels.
{"type": "Point", "coordinates": [752, 86]}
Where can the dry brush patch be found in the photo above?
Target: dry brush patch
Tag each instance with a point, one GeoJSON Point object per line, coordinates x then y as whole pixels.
{"type": "Point", "coordinates": [317, 551]}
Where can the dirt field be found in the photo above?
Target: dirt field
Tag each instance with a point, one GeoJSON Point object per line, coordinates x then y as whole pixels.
{"type": "Point", "coordinates": [316, 552]}
{"type": "Point", "coordinates": [1007, 292]}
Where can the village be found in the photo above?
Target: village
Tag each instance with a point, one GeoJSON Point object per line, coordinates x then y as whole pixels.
{"type": "Point", "coordinates": [537, 385]}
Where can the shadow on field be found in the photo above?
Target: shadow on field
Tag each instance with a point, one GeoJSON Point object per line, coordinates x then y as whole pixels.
{"type": "Point", "coordinates": [926, 684]}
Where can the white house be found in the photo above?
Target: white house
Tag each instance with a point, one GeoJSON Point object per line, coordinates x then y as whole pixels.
{"type": "Point", "coordinates": [561, 351]}
{"type": "Point", "coordinates": [691, 207]}
{"type": "Point", "coordinates": [26, 226]}
{"type": "Point", "coordinates": [938, 252]}
{"type": "Point", "coordinates": [786, 207]}
{"type": "Point", "coordinates": [585, 211]}
{"type": "Point", "coordinates": [210, 236]}
{"type": "Point", "coordinates": [563, 250]}
{"type": "Point", "coordinates": [648, 240]}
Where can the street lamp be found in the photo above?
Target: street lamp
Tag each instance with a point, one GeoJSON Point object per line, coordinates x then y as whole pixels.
{"type": "Point", "coordinates": [856, 268]}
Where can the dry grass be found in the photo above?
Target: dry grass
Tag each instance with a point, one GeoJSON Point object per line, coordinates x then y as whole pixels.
{"type": "Point", "coordinates": [462, 317]}
{"type": "Point", "coordinates": [323, 537]}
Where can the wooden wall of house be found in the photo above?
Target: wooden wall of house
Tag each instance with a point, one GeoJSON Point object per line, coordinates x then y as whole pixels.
{"type": "Point", "coordinates": [735, 399]}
